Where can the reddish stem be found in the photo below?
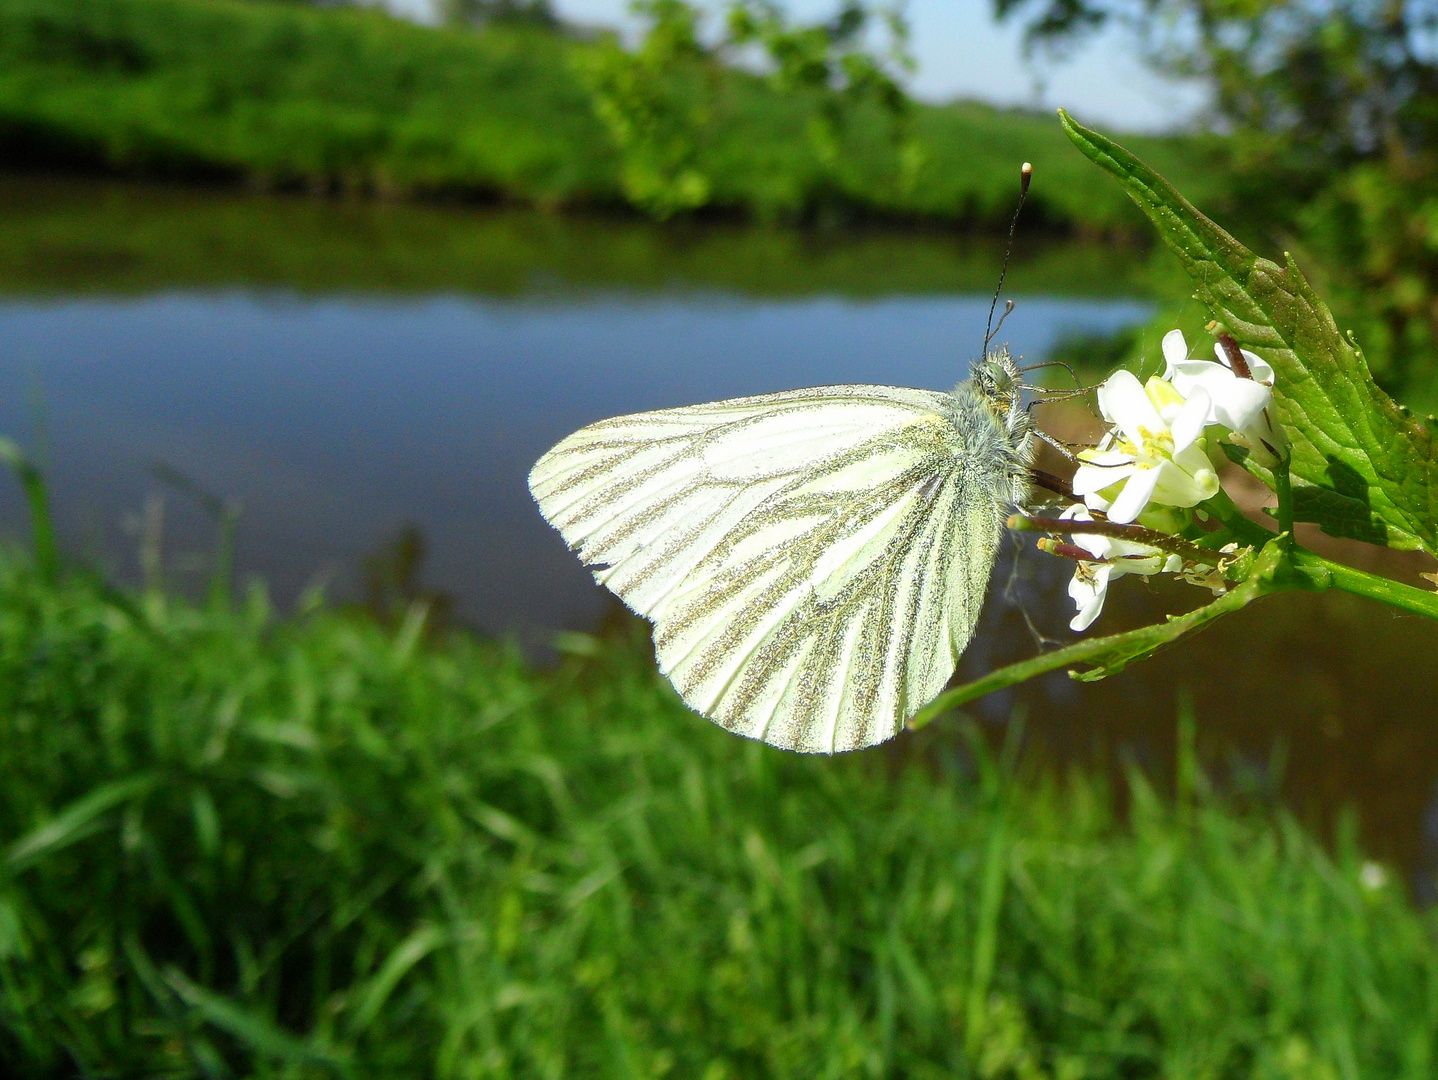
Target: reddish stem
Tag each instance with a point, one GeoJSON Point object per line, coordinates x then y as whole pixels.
{"type": "Point", "coordinates": [1235, 356]}
{"type": "Point", "coordinates": [1137, 534]}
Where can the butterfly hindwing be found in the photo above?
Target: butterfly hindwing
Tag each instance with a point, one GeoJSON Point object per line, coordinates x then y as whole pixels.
{"type": "Point", "coordinates": [813, 561]}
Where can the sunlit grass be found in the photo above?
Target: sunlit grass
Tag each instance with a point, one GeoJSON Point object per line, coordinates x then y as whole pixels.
{"type": "Point", "coordinates": [240, 844]}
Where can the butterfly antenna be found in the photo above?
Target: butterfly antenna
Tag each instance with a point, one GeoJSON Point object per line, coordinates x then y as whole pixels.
{"type": "Point", "coordinates": [1026, 174]}
{"type": "Point", "coordinates": [1008, 310]}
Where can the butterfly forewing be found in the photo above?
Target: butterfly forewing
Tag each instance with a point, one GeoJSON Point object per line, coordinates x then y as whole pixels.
{"type": "Point", "coordinates": [813, 561]}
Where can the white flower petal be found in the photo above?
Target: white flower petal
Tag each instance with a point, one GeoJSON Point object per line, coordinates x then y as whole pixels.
{"type": "Point", "coordinates": [1192, 460]}
{"type": "Point", "coordinates": [1187, 481]}
{"type": "Point", "coordinates": [1123, 402]}
{"type": "Point", "coordinates": [1260, 368]}
{"type": "Point", "coordinates": [1104, 459]}
{"type": "Point", "coordinates": [1087, 589]}
{"type": "Point", "coordinates": [1092, 478]}
{"type": "Point", "coordinates": [1160, 426]}
{"type": "Point", "coordinates": [1175, 352]}
{"type": "Point", "coordinates": [1135, 495]}
{"type": "Point", "coordinates": [1265, 440]}
{"type": "Point", "coordinates": [1241, 405]}
{"type": "Point", "coordinates": [1237, 404]}
{"type": "Point", "coordinates": [1097, 546]}
{"type": "Point", "coordinates": [1191, 373]}
{"type": "Point", "coordinates": [1188, 425]}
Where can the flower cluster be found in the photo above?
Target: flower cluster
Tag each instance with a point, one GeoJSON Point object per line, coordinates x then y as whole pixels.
{"type": "Point", "coordinates": [1159, 460]}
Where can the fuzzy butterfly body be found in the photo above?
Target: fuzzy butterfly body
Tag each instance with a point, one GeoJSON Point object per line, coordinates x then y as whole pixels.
{"type": "Point", "coordinates": [814, 561]}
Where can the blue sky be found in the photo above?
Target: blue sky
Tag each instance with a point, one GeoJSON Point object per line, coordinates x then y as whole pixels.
{"type": "Point", "coordinates": [963, 53]}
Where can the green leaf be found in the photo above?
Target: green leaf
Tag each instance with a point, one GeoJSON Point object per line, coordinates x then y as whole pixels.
{"type": "Point", "coordinates": [1108, 655]}
{"type": "Point", "coordinates": [1341, 510]}
{"type": "Point", "coordinates": [1350, 439]}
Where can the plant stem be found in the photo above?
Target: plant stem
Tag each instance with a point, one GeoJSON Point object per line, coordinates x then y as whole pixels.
{"type": "Point", "coordinates": [1234, 353]}
{"type": "Point", "coordinates": [1284, 487]}
{"type": "Point", "coordinates": [1105, 655]}
{"type": "Point", "coordinates": [1322, 573]}
{"type": "Point", "coordinates": [1134, 534]}
{"type": "Point", "coordinates": [1361, 583]}
{"type": "Point", "coordinates": [1280, 566]}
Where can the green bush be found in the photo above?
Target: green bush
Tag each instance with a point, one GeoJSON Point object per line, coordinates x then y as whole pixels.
{"type": "Point", "coordinates": [353, 100]}
{"type": "Point", "coordinates": [243, 845]}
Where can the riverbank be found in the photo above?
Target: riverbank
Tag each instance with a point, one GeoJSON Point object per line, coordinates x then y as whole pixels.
{"type": "Point", "coordinates": [335, 844]}
{"type": "Point", "coordinates": [346, 100]}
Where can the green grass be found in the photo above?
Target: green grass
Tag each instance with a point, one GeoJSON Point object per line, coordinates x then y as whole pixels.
{"type": "Point", "coordinates": [353, 100]}
{"type": "Point", "coordinates": [238, 844]}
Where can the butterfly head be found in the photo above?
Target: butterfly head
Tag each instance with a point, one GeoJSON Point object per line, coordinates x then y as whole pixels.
{"type": "Point", "coordinates": [996, 380]}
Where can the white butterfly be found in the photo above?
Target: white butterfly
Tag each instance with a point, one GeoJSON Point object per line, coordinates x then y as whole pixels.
{"type": "Point", "coordinates": [814, 561]}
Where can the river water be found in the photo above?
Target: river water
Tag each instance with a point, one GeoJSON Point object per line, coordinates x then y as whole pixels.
{"type": "Point", "coordinates": [362, 379]}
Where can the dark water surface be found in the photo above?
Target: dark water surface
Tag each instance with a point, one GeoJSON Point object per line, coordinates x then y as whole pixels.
{"type": "Point", "coordinates": [351, 372]}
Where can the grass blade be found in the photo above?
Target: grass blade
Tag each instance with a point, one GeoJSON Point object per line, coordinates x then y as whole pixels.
{"type": "Point", "coordinates": [261, 1035]}
{"type": "Point", "coordinates": [77, 820]}
{"type": "Point", "coordinates": [42, 528]}
{"type": "Point", "coordinates": [409, 952]}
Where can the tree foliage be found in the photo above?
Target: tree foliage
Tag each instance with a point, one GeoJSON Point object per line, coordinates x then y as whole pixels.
{"type": "Point", "coordinates": [664, 101]}
{"type": "Point", "coordinates": [1333, 106]}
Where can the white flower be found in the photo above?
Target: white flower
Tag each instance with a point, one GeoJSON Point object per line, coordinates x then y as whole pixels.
{"type": "Point", "coordinates": [1089, 585]}
{"type": "Point", "coordinates": [1244, 406]}
{"type": "Point", "coordinates": [1087, 589]}
{"type": "Point", "coordinates": [1154, 453]}
{"type": "Point", "coordinates": [1153, 465]}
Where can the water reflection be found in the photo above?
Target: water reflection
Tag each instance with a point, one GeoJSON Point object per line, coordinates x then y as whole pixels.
{"type": "Point", "coordinates": [63, 236]}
